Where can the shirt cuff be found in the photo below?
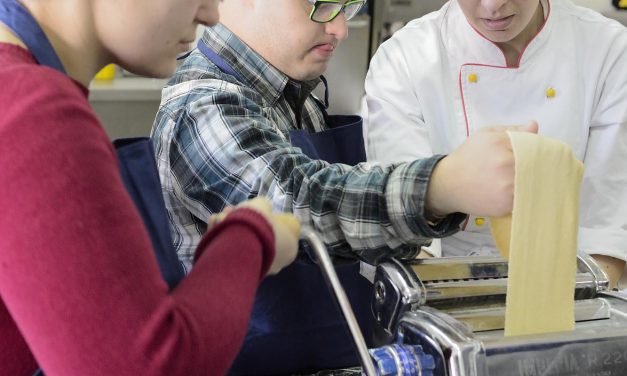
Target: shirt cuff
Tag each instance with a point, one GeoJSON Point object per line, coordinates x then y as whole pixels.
{"type": "Point", "coordinates": [406, 192]}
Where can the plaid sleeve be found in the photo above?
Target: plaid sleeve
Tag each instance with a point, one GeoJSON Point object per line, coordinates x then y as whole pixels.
{"type": "Point", "coordinates": [224, 150]}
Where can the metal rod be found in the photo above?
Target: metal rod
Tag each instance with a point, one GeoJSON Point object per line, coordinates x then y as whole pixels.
{"type": "Point", "coordinates": [338, 291]}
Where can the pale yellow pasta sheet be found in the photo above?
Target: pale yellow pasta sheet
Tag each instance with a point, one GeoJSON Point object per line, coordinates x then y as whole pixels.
{"type": "Point", "coordinates": [540, 237]}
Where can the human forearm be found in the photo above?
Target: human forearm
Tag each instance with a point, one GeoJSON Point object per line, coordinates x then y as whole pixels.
{"type": "Point", "coordinates": [348, 206]}
{"type": "Point", "coordinates": [613, 267]}
{"type": "Point", "coordinates": [406, 202]}
{"type": "Point", "coordinates": [372, 208]}
{"type": "Point", "coordinates": [351, 207]}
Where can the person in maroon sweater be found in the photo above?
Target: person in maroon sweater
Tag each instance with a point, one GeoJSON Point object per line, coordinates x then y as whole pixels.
{"type": "Point", "coordinates": [80, 290]}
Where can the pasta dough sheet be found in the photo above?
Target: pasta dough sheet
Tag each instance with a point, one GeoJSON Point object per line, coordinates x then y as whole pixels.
{"type": "Point", "coordinates": [540, 237]}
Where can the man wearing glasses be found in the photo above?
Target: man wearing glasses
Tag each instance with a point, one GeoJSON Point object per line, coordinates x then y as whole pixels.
{"type": "Point", "coordinates": [222, 135]}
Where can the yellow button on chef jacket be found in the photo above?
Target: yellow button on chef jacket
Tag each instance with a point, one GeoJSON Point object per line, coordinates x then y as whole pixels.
{"type": "Point", "coordinates": [437, 80]}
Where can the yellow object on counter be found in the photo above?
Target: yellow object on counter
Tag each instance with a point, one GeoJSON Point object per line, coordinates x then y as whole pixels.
{"type": "Point", "coordinates": [106, 74]}
{"type": "Point", "coordinates": [540, 237]}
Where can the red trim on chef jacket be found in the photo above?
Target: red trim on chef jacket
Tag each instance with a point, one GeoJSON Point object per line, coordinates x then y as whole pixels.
{"type": "Point", "coordinates": [461, 92]}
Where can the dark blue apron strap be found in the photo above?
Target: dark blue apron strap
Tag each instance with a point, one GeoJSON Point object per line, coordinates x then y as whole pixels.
{"type": "Point", "coordinates": [225, 67]}
{"type": "Point", "coordinates": [22, 23]}
{"type": "Point", "coordinates": [218, 61]}
{"type": "Point", "coordinates": [141, 178]}
{"type": "Point", "coordinates": [326, 93]}
{"type": "Point", "coordinates": [184, 55]}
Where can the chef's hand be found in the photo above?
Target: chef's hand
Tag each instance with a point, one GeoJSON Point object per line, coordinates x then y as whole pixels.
{"type": "Point", "coordinates": [612, 266]}
{"type": "Point", "coordinates": [478, 177]}
{"type": "Point", "coordinates": [285, 226]}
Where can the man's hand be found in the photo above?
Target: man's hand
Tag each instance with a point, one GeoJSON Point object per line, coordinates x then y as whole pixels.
{"type": "Point", "coordinates": [612, 266]}
{"type": "Point", "coordinates": [285, 226]}
{"type": "Point", "coordinates": [478, 177]}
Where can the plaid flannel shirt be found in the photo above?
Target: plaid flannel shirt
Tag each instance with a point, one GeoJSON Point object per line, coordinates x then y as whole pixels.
{"type": "Point", "coordinates": [220, 140]}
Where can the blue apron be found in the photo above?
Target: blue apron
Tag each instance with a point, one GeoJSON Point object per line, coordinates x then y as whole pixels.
{"type": "Point", "coordinates": [136, 156]}
{"type": "Point", "coordinates": [138, 169]}
{"type": "Point", "coordinates": [295, 325]}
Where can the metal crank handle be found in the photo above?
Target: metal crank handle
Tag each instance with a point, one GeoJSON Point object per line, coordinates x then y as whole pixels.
{"type": "Point", "coordinates": [340, 295]}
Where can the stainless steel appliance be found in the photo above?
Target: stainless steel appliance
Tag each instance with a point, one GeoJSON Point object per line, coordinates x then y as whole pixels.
{"type": "Point", "coordinates": [454, 308]}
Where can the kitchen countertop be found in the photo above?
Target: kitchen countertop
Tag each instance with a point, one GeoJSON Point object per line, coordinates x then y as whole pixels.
{"type": "Point", "coordinates": [127, 89]}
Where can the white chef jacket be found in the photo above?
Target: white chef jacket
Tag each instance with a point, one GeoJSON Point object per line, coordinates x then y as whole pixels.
{"type": "Point", "coordinates": [437, 80]}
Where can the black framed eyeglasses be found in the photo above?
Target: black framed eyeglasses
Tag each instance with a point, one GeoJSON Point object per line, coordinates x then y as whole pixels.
{"type": "Point", "coordinates": [326, 10]}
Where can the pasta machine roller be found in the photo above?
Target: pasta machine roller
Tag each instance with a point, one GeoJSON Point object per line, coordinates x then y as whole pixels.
{"type": "Point", "coordinates": [454, 308]}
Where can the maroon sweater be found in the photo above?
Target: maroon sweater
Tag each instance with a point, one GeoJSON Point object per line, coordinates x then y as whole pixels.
{"type": "Point", "coordinates": [80, 290]}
